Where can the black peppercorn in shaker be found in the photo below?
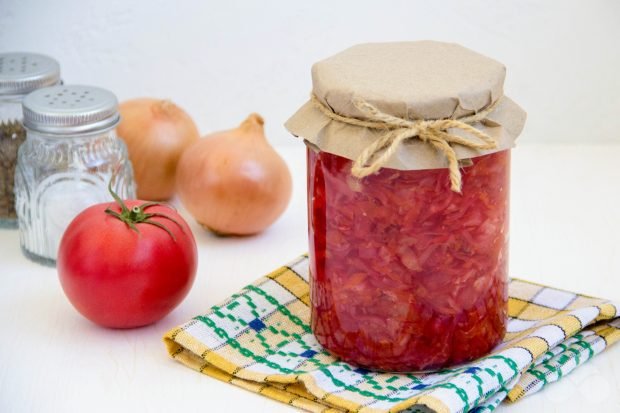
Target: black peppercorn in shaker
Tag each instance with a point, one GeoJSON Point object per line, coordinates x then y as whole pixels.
{"type": "Point", "coordinates": [20, 74]}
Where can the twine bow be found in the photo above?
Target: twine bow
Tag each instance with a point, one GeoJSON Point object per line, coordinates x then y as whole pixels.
{"type": "Point", "coordinates": [434, 132]}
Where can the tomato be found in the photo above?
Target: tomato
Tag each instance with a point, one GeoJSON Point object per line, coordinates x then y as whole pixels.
{"type": "Point", "coordinates": [127, 264]}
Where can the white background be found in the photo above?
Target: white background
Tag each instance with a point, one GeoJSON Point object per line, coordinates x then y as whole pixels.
{"type": "Point", "coordinates": [221, 60]}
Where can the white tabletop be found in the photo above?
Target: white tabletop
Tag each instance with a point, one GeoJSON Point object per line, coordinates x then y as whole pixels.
{"type": "Point", "coordinates": [565, 232]}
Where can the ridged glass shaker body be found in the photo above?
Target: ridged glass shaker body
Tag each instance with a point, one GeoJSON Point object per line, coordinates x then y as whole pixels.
{"type": "Point", "coordinates": [65, 165]}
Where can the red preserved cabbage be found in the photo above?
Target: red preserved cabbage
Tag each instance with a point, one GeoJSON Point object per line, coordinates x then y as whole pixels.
{"type": "Point", "coordinates": [406, 274]}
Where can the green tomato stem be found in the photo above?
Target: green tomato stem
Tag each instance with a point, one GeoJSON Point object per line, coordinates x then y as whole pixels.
{"type": "Point", "coordinates": [138, 215]}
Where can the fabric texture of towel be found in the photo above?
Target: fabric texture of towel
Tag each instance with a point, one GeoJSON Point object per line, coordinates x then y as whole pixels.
{"type": "Point", "coordinates": [260, 339]}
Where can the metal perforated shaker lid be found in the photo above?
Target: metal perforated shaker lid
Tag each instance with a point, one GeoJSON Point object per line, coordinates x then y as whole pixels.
{"type": "Point", "coordinates": [70, 109]}
{"type": "Point", "coordinates": [21, 73]}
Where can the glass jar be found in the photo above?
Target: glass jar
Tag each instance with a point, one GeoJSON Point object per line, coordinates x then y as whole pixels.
{"type": "Point", "coordinates": [70, 155]}
{"type": "Point", "coordinates": [408, 157]}
{"type": "Point", "coordinates": [20, 74]}
{"type": "Point", "coordinates": [407, 274]}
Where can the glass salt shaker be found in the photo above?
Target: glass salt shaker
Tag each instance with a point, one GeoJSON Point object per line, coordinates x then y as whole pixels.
{"type": "Point", "coordinates": [70, 155]}
{"type": "Point", "coordinates": [20, 74]}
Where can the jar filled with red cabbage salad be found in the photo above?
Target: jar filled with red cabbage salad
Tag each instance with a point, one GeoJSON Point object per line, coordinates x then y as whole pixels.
{"type": "Point", "coordinates": [408, 195]}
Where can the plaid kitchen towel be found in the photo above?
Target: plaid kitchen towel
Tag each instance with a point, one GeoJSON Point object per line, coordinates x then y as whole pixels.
{"type": "Point", "coordinates": [260, 340]}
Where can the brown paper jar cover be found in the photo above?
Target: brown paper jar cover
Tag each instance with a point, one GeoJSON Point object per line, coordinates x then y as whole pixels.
{"type": "Point", "coordinates": [410, 80]}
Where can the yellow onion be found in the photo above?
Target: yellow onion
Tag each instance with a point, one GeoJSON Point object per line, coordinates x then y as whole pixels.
{"type": "Point", "coordinates": [156, 133]}
{"type": "Point", "coordinates": [233, 182]}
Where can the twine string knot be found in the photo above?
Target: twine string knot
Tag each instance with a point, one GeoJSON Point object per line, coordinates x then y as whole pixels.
{"type": "Point", "coordinates": [397, 130]}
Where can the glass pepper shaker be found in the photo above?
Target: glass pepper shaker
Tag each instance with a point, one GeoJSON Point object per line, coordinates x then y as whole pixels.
{"type": "Point", "coordinates": [70, 155]}
{"type": "Point", "coordinates": [20, 74]}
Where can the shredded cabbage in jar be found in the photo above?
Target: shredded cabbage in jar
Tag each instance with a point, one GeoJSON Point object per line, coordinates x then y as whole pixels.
{"type": "Point", "coordinates": [405, 273]}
